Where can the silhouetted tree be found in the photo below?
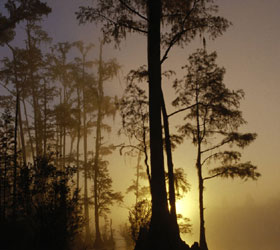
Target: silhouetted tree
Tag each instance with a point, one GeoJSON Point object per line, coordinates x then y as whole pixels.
{"type": "Point", "coordinates": [212, 121]}
{"type": "Point", "coordinates": [12, 76]}
{"type": "Point", "coordinates": [17, 11]}
{"type": "Point", "coordinates": [85, 85]}
{"type": "Point", "coordinates": [105, 197]}
{"type": "Point", "coordinates": [182, 21]}
{"type": "Point", "coordinates": [133, 108]}
{"type": "Point", "coordinates": [61, 72]}
{"type": "Point", "coordinates": [6, 162]}
{"type": "Point", "coordinates": [105, 107]}
{"type": "Point", "coordinates": [35, 77]}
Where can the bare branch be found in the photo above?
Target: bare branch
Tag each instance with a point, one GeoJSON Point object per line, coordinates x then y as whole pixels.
{"type": "Point", "coordinates": [213, 176]}
{"type": "Point", "coordinates": [181, 110]}
{"type": "Point", "coordinates": [217, 146]}
{"type": "Point", "coordinates": [133, 10]}
{"type": "Point", "coordinates": [208, 158]}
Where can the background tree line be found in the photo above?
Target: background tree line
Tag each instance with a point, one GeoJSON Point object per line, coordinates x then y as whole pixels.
{"type": "Point", "coordinates": [53, 104]}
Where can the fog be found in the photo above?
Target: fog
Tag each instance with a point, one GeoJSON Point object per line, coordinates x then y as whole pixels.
{"type": "Point", "coordinates": [239, 215]}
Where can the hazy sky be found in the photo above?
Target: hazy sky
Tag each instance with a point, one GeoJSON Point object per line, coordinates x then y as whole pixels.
{"type": "Point", "coordinates": [239, 215]}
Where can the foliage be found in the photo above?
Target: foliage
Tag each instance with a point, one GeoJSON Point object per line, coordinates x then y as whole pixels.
{"type": "Point", "coordinates": [134, 112]}
{"type": "Point", "coordinates": [184, 224]}
{"type": "Point", "coordinates": [182, 20]}
{"type": "Point", "coordinates": [213, 116]}
{"type": "Point", "coordinates": [17, 11]}
{"type": "Point", "coordinates": [212, 122]}
{"type": "Point", "coordinates": [106, 196]}
{"type": "Point", "coordinates": [139, 218]}
{"type": "Point", "coordinates": [180, 182]}
{"type": "Point", "coordinates": [48, 204]}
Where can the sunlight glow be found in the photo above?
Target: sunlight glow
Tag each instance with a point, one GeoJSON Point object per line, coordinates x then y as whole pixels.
{"type": "Point", "coordinates": [180, 207]}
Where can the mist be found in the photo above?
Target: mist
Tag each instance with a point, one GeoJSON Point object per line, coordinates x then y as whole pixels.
{"type": "Point", "coordinates": [139, 125]}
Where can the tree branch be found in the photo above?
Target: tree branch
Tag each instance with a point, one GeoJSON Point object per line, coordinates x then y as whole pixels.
{"type": "Point", "coordinates": [133, 10]}
{"type": "Point", "coordinates": [181, 110]}
{"type": "Point", "coordinates": [120, 23]}
{"type": "Point", "coordinates": [213, 176]}
{"type": "Point", "coordinates": [128, 146]}
{"type": "Point", "coordinates": [215, 147]}
{"type": "Point", "coordinates": [177, 36]}
{"type": "Point", "coordinates": [208, 157]}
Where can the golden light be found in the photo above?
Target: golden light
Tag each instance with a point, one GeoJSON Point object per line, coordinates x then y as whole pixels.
{"type": "Point", "coordinates": [180, 207]}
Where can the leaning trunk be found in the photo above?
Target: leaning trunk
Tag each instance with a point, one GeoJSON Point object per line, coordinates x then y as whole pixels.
{"type": "Point", "coordinates": [28, 130]}
{"type": "Point", "coordinates": [172, 198]}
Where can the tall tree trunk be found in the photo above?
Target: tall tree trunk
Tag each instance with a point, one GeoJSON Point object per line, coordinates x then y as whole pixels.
{"type": "Point", "coordinates": [64, 148]}
{"type": "Point", "coordinates": [23, 147]}
{"type": "Point", "coordinates": [70, 157]}
{"type": "Point", "coordinates": [172, 197]}
{"type": "Point", "coordinates": [15, 159]}
{"type": "Point", "coordinates": [137, 179]}
{"type": "Point", "coordinates": [45, 122]}
{"type": "Point", "coordinates": [60, 139]}
{"type": "Point", "coordinates": [65, 101]}
{"type": "Point", "coordinates": [57, 163]}
{"type": "Point", "coordinates": [28, 130]}
{"type": "Point", "coordinates": [78, 138]}
{"type": "Point", "coordinates": [18, 102]}
{"type": "Point", "coordinates": [98, 240]}
{"type": "Point", "coordinates": [160, 236]}
{"type": "Point", "coordinates": [202, 237]}
{"type": "Point", "coordinates": [86, 203]}
{"type": "Point", "coordinates": [34, 96]}
{"type": "Point", "coordinates": [5, 182]}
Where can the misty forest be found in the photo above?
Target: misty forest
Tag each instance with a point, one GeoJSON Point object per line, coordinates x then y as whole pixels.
{"type": "Point", "coordinates": [64, 130]}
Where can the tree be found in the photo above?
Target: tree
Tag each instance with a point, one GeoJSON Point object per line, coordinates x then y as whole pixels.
{"type": "Point", "coordinates": [35, 78]}
{"type": "Point", "coordinates": [61, 72]}
{"type": "Point", "coordinates": [6, 162]}
{"type": "Point", "coordinates": [133, 107]}
{"type": "Point", "coordinates": [213, 120]}
{"type": "Point", "coordinates": [105, 197]}
{"type": "Point", "coordinates": [182, 21]}
{"type": "Point", "coordinates": [105, 107]}
{"type": "Point", "coordinates": [19, 10]}
{"type": "Point", "coordinates": [86, 94]}
{"type": "Point", "coordinates": [79, 74]}
{"type": "Point", "coordinates": [134, 112]}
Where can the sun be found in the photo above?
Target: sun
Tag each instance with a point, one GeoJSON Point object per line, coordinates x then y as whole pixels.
{"type": "Point", "coordinates": [180, 207]}
{"type": "Point", "coordinates": [187, 207]}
